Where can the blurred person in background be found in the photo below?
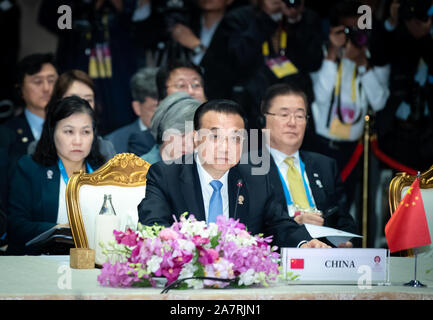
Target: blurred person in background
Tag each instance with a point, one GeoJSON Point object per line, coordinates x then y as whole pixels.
{"type": "Point", "coordinates": [35, 79]}
{"type": "Point", "coordinates": [144, 103]}
{"type": "Point", "coordinates": [169, 128]}
{"type": "Point", "coordinates": [100, 43]}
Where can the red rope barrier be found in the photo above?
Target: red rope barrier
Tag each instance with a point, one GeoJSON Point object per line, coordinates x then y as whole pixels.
{"type": "Point", "coordinates": [390, 162]}
{"type": "Point", "coordinates": [352, 162]}
{"type": "Point", "coordinates": [379, 154]}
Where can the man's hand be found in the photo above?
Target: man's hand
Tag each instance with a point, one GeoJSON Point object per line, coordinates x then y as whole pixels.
{"type": "Point", "coordinates": [314, 244]}
{"type": "Point", "coordinates": [346, 244]}
{"type": "Point", "coordinates": [337, 39]}
{"type": "Point", "coordinates": [184, 36]}
{"type": "Point", "coordinates": [311, 218]}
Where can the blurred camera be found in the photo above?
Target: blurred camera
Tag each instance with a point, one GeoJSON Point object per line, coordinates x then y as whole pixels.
{"type": "Point", "coordinates": [174, 11]}
{"type": "Point", "coordinates": [359, 37]}
{"type": "Point", "coordinates": [292, 3]}
{"type": "Point", "coordinates": [414, 9]}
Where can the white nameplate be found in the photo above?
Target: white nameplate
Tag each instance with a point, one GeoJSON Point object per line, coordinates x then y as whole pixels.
{"type": "Point", "coordinates": [339, 265]}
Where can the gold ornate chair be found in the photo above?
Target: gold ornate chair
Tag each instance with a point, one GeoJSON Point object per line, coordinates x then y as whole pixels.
{"type": "Point", "coordinates": [398, 188]}
{"type": "Point", "coordinates": [124, 177]}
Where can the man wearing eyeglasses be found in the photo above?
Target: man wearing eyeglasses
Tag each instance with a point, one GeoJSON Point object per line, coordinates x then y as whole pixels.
{"type": "Point", "coordinates": [180, 76]}
{"type": "Point", "coordinates": [215, 183]}
{"type": "Point", "coordinates": [310, 182]}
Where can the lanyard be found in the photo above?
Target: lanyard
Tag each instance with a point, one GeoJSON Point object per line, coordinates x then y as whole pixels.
{"type": "Point", "coordinates": [283, 45]}
{"type": "Point", "coordinates": [338, 84]}
{"type": "Point", "coordinates": [63, 170]}
{"type": "Point", "coordinates": [286, 190]}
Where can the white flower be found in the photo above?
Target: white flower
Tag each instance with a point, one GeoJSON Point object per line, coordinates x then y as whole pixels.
{"type": "Point", "coordinates": [247, 278]}
{"type": "Point", "coordinates": [154, 263]}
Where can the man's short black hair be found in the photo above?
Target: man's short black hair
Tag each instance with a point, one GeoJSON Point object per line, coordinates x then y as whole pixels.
{"type": "Point", "coordinates": [282, 89]}
{"type": "Point", "coordinates": [165, 71]}
{"type": "Point", "coordinates": [32, 64]}
{"type": "Point", "coordinates": [218, 105]}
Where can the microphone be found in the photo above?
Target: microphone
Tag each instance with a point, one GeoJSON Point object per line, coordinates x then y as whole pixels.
{"type": "Point", "coordinates": [239, 184]}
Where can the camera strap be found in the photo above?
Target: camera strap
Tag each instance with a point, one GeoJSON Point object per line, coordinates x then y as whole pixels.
{"type": "Point", "coordinates": [337, 96]}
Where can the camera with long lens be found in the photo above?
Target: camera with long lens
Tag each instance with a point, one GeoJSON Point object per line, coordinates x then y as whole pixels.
{"type": "Point", "coordinates": [174, 12]}
{"type": "Point", "coordinates": [359, 37]}
{"type": "Point", "coordinates": [414, 9]}
{"type": "Point", "coordinates": [292, 3]}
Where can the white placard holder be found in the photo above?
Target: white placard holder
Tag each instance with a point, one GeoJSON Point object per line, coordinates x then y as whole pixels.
{"type": "Point", "coordinates": [337, 266]}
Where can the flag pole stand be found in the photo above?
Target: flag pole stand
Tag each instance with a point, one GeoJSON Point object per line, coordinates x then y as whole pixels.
{"type": "Point", "coordinates": [415, 283]}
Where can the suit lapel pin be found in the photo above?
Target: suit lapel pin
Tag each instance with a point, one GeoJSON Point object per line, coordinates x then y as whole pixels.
{"type": "Point", "coordinates": [319, 183]}
{"type": "Point", "coordinates": [241, 200]}
{"type": "Point", "coordinates": [315, 175]}
{"type": "Point", "coordinates": [50, 174]}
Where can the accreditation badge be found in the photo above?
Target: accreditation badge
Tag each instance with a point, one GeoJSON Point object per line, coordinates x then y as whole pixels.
{"type": "Point", "coordinates": [339, 129]}
{"type": "Point", "coordinates": [281, 67]}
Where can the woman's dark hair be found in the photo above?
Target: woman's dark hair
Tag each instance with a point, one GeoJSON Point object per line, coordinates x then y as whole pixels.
{"type": "Point", "coordinates": [218, 105]}
{"type": "Point", "coordinates": [65, 80]}
{"type": "Point", "coordinates": [46, 152]}
{"type": "Point", "coordinates": [165, 71]}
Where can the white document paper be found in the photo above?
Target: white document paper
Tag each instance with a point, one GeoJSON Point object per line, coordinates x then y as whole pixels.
{"type": "Point", "coordinates": [335, 236]}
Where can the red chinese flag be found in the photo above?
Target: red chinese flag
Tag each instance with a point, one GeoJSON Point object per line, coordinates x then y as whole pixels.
{"type": "Point", "coordinates": [296, 263]}
{"type": "Point", "coordinates": [407, 228]}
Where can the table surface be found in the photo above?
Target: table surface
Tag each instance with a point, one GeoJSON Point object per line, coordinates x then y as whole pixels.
{"type": "Point", "coordinates": [49, 277]}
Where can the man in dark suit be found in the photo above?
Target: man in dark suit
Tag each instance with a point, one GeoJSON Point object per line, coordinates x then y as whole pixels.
{"type": "Point", "coordinates": [36, 76]}
{"type": "Point", "coordinates": [310, 182]}
{"type": "Point", "coordinates": [144, 103]}
{"type": "Point", "coordinates": [207, 183]}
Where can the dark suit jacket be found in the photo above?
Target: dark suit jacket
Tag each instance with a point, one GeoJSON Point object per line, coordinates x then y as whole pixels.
{"type": "Point", "coordinates": [33, 202]}
{"type": "Point", "coordinates": [119, 138]}
{"type": "Point", "coordinates": [328, 198]}
{"type": "Point", "coordinates": [15, 137]}
{"type": "Point", "coordinates": [175, 188]}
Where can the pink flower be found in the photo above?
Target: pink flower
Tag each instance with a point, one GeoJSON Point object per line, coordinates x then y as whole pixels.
{"type": "Point", "coordinates": [128, 238]}
{"type": "Point", "coordinates": [117, 275]}
{"type": "Point", "coordinates": [198, 240]}
{"type": "Point", "coordinates": [168, 234]}
{"type": "Point", "coordinates": [207, 256]}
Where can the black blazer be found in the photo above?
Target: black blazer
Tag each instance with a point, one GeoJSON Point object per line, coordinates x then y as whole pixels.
{"type": "Point", "coordinates": [173, 189]}
{"type": "Point", "coordinates": [33, 203]}
{"type": "Point", "coordinates": [326, 187]}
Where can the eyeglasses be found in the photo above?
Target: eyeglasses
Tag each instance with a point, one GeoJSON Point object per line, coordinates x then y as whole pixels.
{"type": "Point", "coordinates": [300, 117]}
{"type": "Point", "coordinates": [219, 138]}
{"type": "Point", "coordinates": [183, 85]}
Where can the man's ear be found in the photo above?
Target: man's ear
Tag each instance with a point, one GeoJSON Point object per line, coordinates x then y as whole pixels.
{"type": "Point", "coordinates": [136, 107]}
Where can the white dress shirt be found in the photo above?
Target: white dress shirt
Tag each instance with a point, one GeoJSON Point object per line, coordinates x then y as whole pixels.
{"type": "Point", "coordinates": [371, 88]}
{"type": "Point", "coordinates": [62, 213]}
{"type": "Point", "coordinates": [279, 158]}
{"type": "Point", "coordinates": [207, 190]}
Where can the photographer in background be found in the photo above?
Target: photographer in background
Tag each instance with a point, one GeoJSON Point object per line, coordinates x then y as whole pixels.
{"type": "Point", "coordinates": [405, 126]}
{"type": "Point", "coordinates": [271, 42]}
{"type": "Point", "coordinates": [345, 88]}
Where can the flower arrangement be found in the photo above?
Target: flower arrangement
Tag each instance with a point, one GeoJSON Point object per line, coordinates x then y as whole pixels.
{"type": "Point", "coordinates": [191, 254]}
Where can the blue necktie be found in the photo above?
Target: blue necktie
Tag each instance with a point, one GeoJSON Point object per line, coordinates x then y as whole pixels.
{"type": "Point", "coordinates": [216, 201]}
